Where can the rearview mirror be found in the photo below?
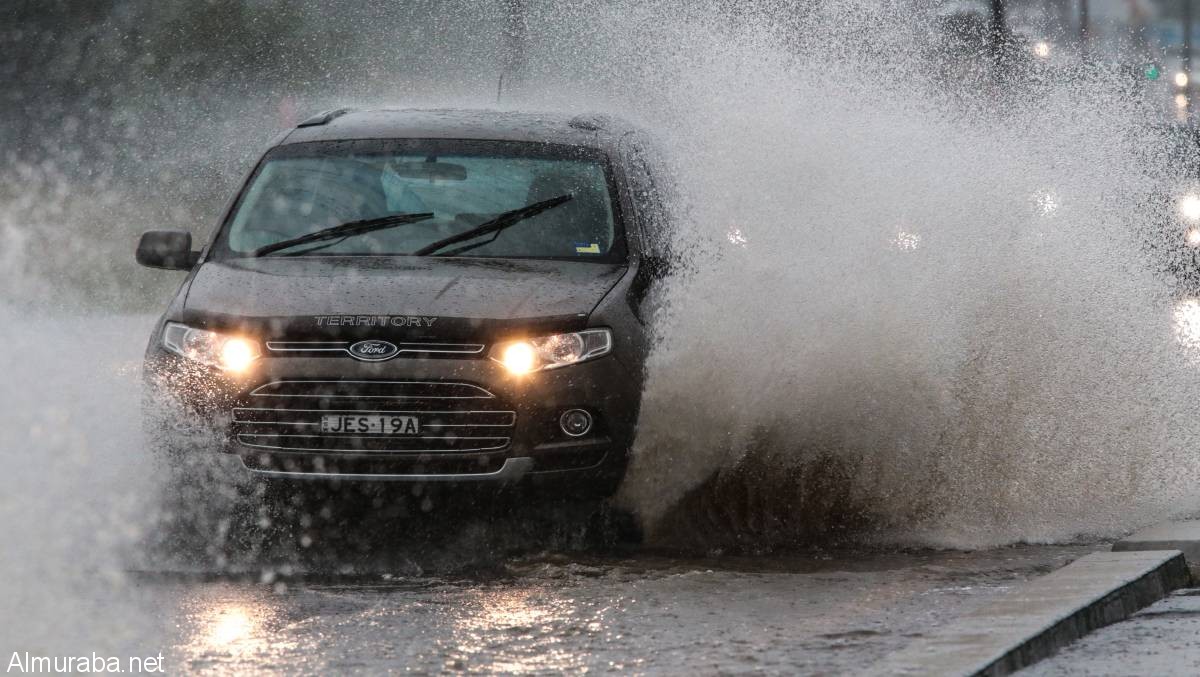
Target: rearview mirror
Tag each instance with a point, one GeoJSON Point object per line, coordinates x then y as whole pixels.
{"type": "Point", "coordinates": [429, 171]}
{"type": "Point", "coordinates": [168, 249]}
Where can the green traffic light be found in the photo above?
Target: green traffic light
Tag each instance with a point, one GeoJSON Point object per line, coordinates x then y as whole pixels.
{"type": "Point", "coordinates": [1152, 72]}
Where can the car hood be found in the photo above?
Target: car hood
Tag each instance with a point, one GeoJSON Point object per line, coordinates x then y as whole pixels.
{"type": "Point", "coordinates": [461, 293]}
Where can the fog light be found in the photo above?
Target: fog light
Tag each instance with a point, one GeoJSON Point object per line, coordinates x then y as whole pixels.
{"type": "Point", "coordinates": [575, 422]}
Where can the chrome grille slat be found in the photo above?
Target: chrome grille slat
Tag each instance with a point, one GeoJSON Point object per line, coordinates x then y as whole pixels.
{"type": "Point", "coordinates": [373, 413]}
{"type": "Point", "coordinates": [408, 347]}
{"type": "Point", "coordinates": [374, 437]}
{"type": "Point", "coordinates": [509, 417]}
{"type": "Point", "coordinates": [382, 390]}
{"type": "Point", "coordinates": [259, 442]}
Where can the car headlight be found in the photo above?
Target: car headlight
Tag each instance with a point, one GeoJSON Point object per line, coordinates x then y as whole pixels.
{"type": "Point", "coordinates": [230, 353]}
{"type": "Point", "coordinates": [1189, 207]}
{"type": "Point", "coordinates": [554, 351]}
{"type": "Point", "coordinates": [1192, 237]}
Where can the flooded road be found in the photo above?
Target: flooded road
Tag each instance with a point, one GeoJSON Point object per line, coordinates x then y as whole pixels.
{"type": "Point", "coordinates": [818, 612]}
{"type": "Point", "coordinates": [424, 583]}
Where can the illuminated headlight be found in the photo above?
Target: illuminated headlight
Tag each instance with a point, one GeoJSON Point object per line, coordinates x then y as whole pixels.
{"type": "Point", "coordinates": [1192, 237]}
{"type": "Point", "coordinates": [554, 351]}
{"type": "Point", "coordinates": [230, 353]}
{"type": "Point", "coordinates": [1189, 207]}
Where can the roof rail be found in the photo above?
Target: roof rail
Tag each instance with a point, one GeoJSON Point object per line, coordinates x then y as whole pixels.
{"type": "Point", "coordinates": [324, 118]}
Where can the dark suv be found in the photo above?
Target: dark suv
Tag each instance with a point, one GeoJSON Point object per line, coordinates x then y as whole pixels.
{"type": "Point", "coordinates": [418, 296]}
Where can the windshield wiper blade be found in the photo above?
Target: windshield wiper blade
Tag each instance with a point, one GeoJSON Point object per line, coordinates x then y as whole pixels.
{"type": "Point", "coordinates": [495, 225]}
{"type": "Point", "coordinates": [345, 230]}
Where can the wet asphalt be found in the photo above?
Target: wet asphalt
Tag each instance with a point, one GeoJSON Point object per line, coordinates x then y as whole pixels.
{"type": "Point", "coordinates": [1159, 640]}
{"type": "Point", "coordinates": [98, 559]}
{"type": "Point", "coordinates": [813, 613]}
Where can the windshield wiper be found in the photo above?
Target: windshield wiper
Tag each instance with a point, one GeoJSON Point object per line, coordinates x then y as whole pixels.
{"type": "Point", "coordinates": [495, 225]}
{"type": "Point", "coordinates": [345, 230]}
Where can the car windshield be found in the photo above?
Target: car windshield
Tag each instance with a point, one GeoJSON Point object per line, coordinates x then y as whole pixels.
{"type": "Point", "coordinates": [304, 188]}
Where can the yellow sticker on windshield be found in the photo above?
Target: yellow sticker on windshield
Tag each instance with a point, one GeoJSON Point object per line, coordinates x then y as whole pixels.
{"type": "Point", "coordinates": [593, 248]}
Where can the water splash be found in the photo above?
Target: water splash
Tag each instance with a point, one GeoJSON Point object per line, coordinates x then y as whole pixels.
{"type": "Point", "coordinates": [943, 290]}
{"type": "Point", "coordinates": [919, 298]}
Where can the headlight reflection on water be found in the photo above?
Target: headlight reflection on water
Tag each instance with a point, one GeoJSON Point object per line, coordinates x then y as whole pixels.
{"type": "Point", "coordinates": [534, 628]}
{"type": "Point", "coordinates": [239, 629]}
{"type": "Point", "coordinates": [227, 627]}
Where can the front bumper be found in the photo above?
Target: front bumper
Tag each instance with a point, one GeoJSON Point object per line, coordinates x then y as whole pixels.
{"type": "Point", "coordinates": [512, 470]}
{"type": "Point", "coordinates": [269, 418]}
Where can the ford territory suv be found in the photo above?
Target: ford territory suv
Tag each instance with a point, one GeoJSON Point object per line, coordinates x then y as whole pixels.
{"type": "Point", "coordinates": [417, 296]}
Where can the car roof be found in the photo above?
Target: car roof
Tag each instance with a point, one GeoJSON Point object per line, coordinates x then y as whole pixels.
{"type": "Point", "coordinates": [601, 131]}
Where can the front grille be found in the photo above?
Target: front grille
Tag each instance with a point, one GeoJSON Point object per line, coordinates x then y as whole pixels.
{"type": "Point", "coordinates": [342, 349]}
{"type": "Point", "coordinates": [439, 391]}
{"type": "Point", "coordinates": [455, 419]}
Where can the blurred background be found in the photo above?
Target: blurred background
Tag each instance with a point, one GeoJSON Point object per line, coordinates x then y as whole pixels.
{"type": "Point", "coordinates": [118, 116]}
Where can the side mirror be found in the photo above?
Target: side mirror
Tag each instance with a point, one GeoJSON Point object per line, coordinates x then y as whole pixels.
{"type": "Point", "coordinates": [169, 249]}
{"type": "Point", "coordinates": [652, 269]}
{"type": "Point", "coordinates": [657, 267]}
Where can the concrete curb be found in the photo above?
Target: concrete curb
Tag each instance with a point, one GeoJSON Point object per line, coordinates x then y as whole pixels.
{"type": "Point", "coordinates": [1181, 536]}
{"type": "Point", "coordinates": [1039, 617]}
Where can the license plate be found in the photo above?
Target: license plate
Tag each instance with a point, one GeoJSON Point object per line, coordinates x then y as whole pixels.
{"type": "Point", "coordinates": [372, 424]}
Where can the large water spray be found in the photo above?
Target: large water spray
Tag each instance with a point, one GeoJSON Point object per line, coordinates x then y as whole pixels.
{"type": "Point", "coordinates": [932, 308]}
{"type": "Point", "coordinates": [914, 298]}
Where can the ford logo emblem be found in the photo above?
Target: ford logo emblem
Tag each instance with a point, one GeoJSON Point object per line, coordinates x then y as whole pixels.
{"type": "Point", "coordinates": [373, 351]}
